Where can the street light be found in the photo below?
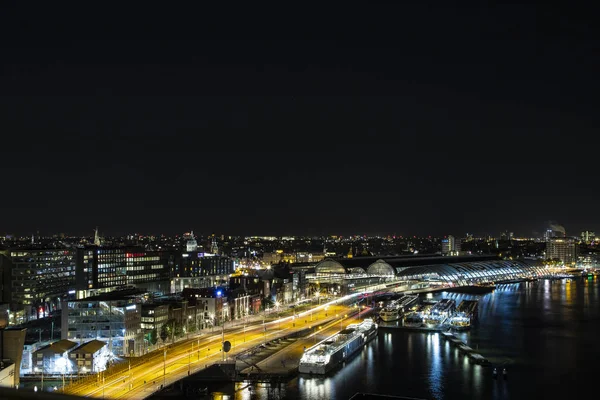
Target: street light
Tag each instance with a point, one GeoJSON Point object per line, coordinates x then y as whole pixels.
{"type": "Point", "coordinates": [164, 366]}
{"type": "Point", "coordinates": [245, 321]}
{"type": "Point", "coordinates": [188, 326]}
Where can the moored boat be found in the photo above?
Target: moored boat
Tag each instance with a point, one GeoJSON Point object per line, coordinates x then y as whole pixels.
{"type": "Point", "coordinates": [327, 354]}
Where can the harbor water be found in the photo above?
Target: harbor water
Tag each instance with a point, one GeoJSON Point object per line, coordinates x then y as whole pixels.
{"type": "Point", "coordinates": [544, 333]}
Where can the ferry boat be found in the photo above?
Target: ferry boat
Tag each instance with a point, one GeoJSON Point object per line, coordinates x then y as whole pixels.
{"type": "Point", "coordinates": [327, 354]}
{"type": "Point", "coordinates": [466, 314]}
{"type": "Point", "coordinates": [440, 312]}
{"type": "Point", "coordinates": [407, 302]}
{"type": "Point", "coordinates": [396, 309]}
{"type": "Point", "coordinates": [391, 312]}
{"type": "Point", "coordinates": [413, 320]}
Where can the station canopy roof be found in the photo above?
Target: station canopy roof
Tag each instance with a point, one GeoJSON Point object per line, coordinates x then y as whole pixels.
{"type": "Point", "coordinates": [492, 270]}
{"type": "Point", "coordinates": [386, 266]}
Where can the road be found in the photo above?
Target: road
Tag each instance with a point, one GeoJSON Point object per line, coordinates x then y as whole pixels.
{"type": "Point", "coordinates": [189, 356]}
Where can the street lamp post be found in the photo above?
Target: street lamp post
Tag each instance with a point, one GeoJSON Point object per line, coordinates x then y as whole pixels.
{"type": "Point", "coordinates": [277, 309]}
{"type": "Point", "coordinates": [223, 339]}
{"type": "Point", "coordinates": [245, 321]}
{"type": "Point", "coordinates": [264, 330]}
{"type": "Point", "coordinates": [164, 366]}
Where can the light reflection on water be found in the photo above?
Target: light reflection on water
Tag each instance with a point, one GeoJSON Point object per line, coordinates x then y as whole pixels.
{"type": "Point", "coordinates": [543, 332]}
{"type": "Point", "coordinates": [436, 376]}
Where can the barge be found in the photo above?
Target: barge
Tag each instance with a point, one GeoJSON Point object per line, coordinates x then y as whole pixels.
{"type": "Point", "coordinates": [466, 315]}
{"type": "Point", "coordinates": [440, 312]}
{"type": "Point", "coordinates": [327, 354]}
{"type": "Point", "coordinates": [396, 309]}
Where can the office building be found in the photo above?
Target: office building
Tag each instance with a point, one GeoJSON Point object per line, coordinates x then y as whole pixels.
{"type": "Point", "coordinates": [563, 249]}
{"type": "Point", "coordinates": [588, 236]}
{"type": "Point", "coordinates": [114, 318]}
{"type": "Point", "coordinates": [102, 269]}
{"type": "Point", "coordinates": [34, 280]}
{"type": "Point", "coordinates": [450, 246]}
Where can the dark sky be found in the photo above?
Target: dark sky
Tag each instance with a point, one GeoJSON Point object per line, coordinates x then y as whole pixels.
{"type": "Point", "coordinates": [410, 119]}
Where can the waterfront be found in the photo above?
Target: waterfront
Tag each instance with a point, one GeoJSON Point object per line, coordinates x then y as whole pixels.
{"type": "Point", "coordinates": [544, 333]}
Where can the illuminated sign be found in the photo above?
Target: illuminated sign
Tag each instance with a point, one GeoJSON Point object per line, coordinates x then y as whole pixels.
{"type": "Point", "coordinates": [131, 307]}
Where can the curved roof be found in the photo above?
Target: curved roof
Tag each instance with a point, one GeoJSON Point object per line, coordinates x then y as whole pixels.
{"type": "Point", "coordinates": [387, 265]}
{"type": "Point", "coordinates": [329, 266]}
{"type": "Point", "coordinates": [360, 265]}
{"type": "Point", "coordinates": [380, 267]}
{"type": "Point", "coordinates": [474, 271]}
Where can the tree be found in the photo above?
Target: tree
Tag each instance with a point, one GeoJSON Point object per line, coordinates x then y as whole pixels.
{"type": "Point", "coordinates": [164, 332]}
{"type": "Point", "coordinates": [267, 302]}
{"type": "Point", "coordinates": [177, 328]}
{"type": "Point", "coordinates": [152, 337]}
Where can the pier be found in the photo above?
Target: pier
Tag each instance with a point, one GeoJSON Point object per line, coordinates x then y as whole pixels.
{"type": "Point", "coordinates": [468, 351]}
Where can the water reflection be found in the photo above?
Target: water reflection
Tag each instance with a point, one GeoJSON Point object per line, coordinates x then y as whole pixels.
{"type": "Point", "coordinates": [436, 377]}
{"type": "Point", "coordinates": [541, 332]}
{"type": "Point", "coordinates": [316, 388]}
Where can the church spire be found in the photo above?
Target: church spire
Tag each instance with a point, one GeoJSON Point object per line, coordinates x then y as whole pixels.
{"type": "Point", "coordinates": [96, 237]}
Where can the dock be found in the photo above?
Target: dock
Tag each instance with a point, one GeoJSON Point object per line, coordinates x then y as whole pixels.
{"type": "Point", "coordinates": [396, 326]}
{"type": "Point", "coordinates": [468, 351]}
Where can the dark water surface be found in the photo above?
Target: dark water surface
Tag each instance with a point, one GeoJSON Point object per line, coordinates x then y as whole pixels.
{"type": "Point", "coordinates": [546, 334]}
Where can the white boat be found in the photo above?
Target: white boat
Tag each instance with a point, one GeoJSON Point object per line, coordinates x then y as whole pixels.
{"type": "Point", "coordinates": [440, 312]}
{"type": "Point", "coordinates": [413, 320]}
{"type": "Point", "coordinates": [327, 354]}
{"type": "Point", "coordinates": [396, 309]}
{"type": "Point", "coordinates": [466, 314]}
{"type": "Point", "coordinates": [391, 312]}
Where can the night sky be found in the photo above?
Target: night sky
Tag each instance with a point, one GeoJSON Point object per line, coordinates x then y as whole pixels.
{"type": "Point", "coordinates": [414, 119]}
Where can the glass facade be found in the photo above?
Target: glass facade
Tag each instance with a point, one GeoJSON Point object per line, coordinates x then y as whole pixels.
{"type": "Point", "coordinates": [100, 268]}
{"type": "Point", "coordinates": [34, 280]}
{"type": "Point", "coordinates": [474, 272]}
{"type": "Point", "coordinates": [116, 322]}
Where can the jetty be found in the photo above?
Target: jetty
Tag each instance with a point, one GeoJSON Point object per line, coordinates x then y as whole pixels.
{"type": "Point", "coordinates": [468, 351]}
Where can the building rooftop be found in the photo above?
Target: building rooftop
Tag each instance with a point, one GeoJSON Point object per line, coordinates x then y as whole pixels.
{"type": "Point", "coordinates": [390, 265]}
{"type": "Point", "coordinates": [124, 294]}
{"type": "Point", "coordinates": [90, 347]}
{"type": "Point", "coordinates": [57, 347]}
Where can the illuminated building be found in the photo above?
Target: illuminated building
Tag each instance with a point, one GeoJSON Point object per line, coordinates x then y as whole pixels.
{"type": "Point", "coordinates": [563, 249]}
{"type": "Point", "coordinates": [588, 236]}
{"type": "Point", "coordinates": [89, 357]}
{"type": "Point", "coordinates": [211, 305]}
{"type": "Point", "coordinates": [450, 246]}
{"type": "Point", "coordinates": [154, 316]}
{"type": "Point", "coordinates": [347, 276]}
{"type": "Point", "coordinates": [35, 279]}
{"type": "Point", "coordinates": [114, 318]}
{"type": "Point", "coordinates": [102, 269]}
{"type": "Point", "coordinates": [205, 269]}
{"type": "Point", "coordinates": [53, 358]}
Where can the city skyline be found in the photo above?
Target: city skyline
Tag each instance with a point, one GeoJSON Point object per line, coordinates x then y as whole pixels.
{"type": "Point", "coordinates": [539, 233]}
